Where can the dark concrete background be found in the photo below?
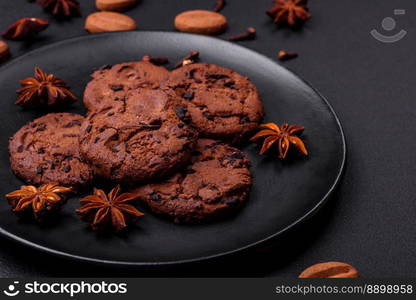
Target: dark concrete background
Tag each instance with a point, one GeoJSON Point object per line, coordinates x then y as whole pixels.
{"type": "Point", "coordinates": [371, 221]}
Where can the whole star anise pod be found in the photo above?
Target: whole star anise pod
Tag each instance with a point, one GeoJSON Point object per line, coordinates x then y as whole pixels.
{"type": "Point", "coordinates": [62, 8]}
{"type": "Point", "coordinates": [39, 202]}
{"type": "Point", "coordinates": [284, 135]}
{"type": "Point", "coordinates": [25, 28]}
{"type": "Point", "coordinates": [109, 212]}
{"type": "Point", "coordinates": [289, 12]}
{"type": "Point", "coordinates": [44, 90]}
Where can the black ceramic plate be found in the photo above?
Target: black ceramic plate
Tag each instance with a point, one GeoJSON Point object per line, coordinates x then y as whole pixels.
{"type": "Point", "coordinates": [284, 193]}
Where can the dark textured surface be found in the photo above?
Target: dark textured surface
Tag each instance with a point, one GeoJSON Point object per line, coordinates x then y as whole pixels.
{"type": "Point", "coordinates": [283, 193]}
{"type": "Point", "coordinates": [371, 222]}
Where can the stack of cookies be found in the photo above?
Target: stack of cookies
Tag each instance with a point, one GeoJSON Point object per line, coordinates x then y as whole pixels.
{"type": "Point", "coordinates": [168, 136]}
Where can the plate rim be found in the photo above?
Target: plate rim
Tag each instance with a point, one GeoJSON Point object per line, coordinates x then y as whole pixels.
{"type": "Point", "coordinates": [291, 226]}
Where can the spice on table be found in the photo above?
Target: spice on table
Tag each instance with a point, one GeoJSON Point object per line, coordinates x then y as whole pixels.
{"type": "Point", "coordinates": [38, 202]}
{"type": "Point", "coordinates": [110, 211]}
{"type": "Point", "coordinates": [289, 12]}
{"type": "Point", "coordinates": [191, 58]}
{"type": "Point", "coordinates": [250, 34]}
{"type": "Point", "coordinates": [332, 269]}
{"type": "Point", "coordinates": [284, 136]}
{"type": "Point", "coordinates": [286, 55]}
{"type": "Point", "coordinates": [25, 28]}
{"type": "Point", "coordinates": [158, 61]}
{"type": "Point", "coordinates": [61, 8]}
{"type": "Point", "coordinates": [44, 90]}
{"type": "Point", "coordinates": [219, 5]}
{"type": "Point", "coordinates": [4, 51]}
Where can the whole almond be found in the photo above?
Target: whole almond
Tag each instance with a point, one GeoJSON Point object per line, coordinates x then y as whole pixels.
{"type": "Point", "coordinates": [332, 269]}
{"type": "Point", "coordinates": [201, 22]}
{"type": "Point", "coordinates": [4, 51]}
{"type": "Point", "coordinates": [109, 21]}
{"type": "Point", "coordinates": [115, 5]}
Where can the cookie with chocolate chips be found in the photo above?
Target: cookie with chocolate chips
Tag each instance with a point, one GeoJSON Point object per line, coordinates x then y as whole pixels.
{"type": "Point", "coordinates": [217, 182]}
{"type": "Point", "coordinates": [222, 103]}
{"type": "Point", "coordinates": [147, 137]}
{"type": "Point", "coordinates": [47, 150]}
{"type": "Point", "coordinates": [110, 84]}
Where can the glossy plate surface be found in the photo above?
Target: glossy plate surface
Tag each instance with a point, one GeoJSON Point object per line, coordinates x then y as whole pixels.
{"type": "Point", "coordinates": [284, 193]}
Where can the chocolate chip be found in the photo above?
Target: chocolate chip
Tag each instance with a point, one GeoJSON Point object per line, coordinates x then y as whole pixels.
{"type": "Point", "coordinates": [41, 127]}
{"type": "Point", "coordinates": [116, 88]}
{"type": "Point", "coordinates": [41, 151]}
{"type": "Point", "coordinates": [155, 197]}
{"type": "Point", "coordinates": [244, 120]}
{"type": "Point", "coordinates": [229, 84]}
{"type": "Point", "coordinates": [181, 112]}
{"type": "Point", "coordinates": [189, 95]}
{"type": "Point", "coordinates": [110, 114]}
{"type": "Point", "coordinates": [208, 115]}
{"type": "Point", "coordinates": [72, 124]}
{"type": "Point", "coordinates": [237, 155]}
{"type": "Point", "coordinates": [39, 170]}
{"type": "Point", "coordinates": [96, 140]}
{"type": "Point", "coordinates": [216, 76]}
{"type": "Point", "coordinates": [20, 149]}
{"type": "Point", "coordinates": [189, 171]}
{"type": "Point", "coordinates": [88, 129]}
{"type": "Point", "coordinates": [66, 169]}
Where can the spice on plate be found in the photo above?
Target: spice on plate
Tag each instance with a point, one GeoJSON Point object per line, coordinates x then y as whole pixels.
{"type": "Point", "coordinates": [284, 136]}
{"type": "Point", "coordinates": [158, 61]}
{"type": "Point", "coordinates": [110, 211]}
{"type": "Point", "coordinates": [44, 90]}
{"type": "Point", "coordinates": [38, 202]}
{"type": "Point", "coordinates": [191, 58]}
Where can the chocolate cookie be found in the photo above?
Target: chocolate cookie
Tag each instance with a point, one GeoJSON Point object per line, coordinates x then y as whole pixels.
{"type": "Point", "coordinates": [216, 182]}
{"type": "Point", "coordinates": [111, 83]}
{"type": "Point", "coordinates": [47, 150]}
{"type": "Point", "coordinates": [145, 138]}
{"type": "Point", "coordinates": [222, 103]}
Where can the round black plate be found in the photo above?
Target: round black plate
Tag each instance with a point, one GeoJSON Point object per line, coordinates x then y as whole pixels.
{"type": "Point", "coordinates": [284, 193]}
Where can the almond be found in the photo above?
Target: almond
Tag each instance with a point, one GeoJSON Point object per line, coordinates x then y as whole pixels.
{"type": "Point", "coordinates": [109, 21]}
{"type": "Point", "coordinates": [332, 269]}
{"type": "Point", "coordinates": [115, 5]}
{"type": "Point", "coordinates": [4, 51]}
{"type": "Point", "coordinates": [201, 22]}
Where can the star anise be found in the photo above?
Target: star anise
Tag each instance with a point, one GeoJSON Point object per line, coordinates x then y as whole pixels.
{"type": "Point", "coordinates": [24, 28]}
{"type": "Point", "coordinates": [44, 90]}
{"type": "Point", "coordinates": [285, 136]}
{"type": "Point", "coordinates": [289, 12]}
{"type": "Point", "coordinates": [39, 202]}
{"type": "Point", "coordinates": [109, 212]}
{"type": "Point", "coordinates": [62, 8]}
